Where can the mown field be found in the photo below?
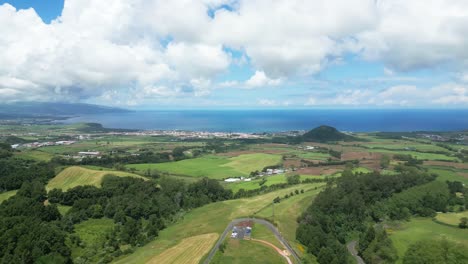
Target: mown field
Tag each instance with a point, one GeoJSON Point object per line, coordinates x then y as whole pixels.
{"type": "Point", "coordinates": [247, 251]}
{"type": "Point", "coordinates": [188, 251]}
{"type": "Point", "coordinates": [214, 167]}
{"type": "Point", "coordinates": [417, 229]}
{"type": "Point", "coordinates": [451, 218]}
{"type": "Point", "coordinates": [212, 218]}
{"type": "Point", "coordinates": [79, 176]}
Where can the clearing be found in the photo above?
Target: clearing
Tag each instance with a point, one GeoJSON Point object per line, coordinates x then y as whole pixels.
{"type": "Point", "coordinates": [79, 176]}
{"type": "Point", "coordinates": [451, 218]}
{"type": "Point", "coordinates": [6, 195]}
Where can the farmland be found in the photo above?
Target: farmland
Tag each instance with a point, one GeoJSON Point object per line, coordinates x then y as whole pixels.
{"type": "Point", "coordinates": [189, 250]}
{"type": "Point", "coordinates": [78, 176]}
{"type": "Point", "coordinates": [212, 218]}
{"type": "Point", "coordinates": [451, 218]}
{"type": "Point", "coordinates": [214, 167]}
{"type": "Point", "coordinates": [406, 233]}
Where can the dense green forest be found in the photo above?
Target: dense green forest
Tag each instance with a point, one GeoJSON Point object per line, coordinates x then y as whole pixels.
{"type": "Point", "coordinates": [33, 230]}
{"type": "Point", "coordinates": [356, 203]}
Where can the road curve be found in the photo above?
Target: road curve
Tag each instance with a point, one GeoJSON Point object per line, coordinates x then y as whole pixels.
{"type": "Point", "coordinates": [352, 249]}
{"type": "Point", "coordinates": [255, 220]}
{"type": "Point", "coordinates": [286, 256]}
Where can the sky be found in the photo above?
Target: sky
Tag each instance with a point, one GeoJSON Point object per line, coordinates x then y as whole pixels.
{"type": "Point", "coordinates": [218, 54]}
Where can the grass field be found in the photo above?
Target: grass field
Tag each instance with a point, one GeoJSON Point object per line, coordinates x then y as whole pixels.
{"type": "Point", "coordinates": [451, 218]}
{"type": "Point", "coordinates": [418, 155]}
{"type": "Point", "coordinates": [189, 250]}
{"type": "Point", "coordinates": [78, 176]}
{"type": "Point", "coordinates": [448, 174]}
{"type": "Point", "coordinates": [270, 180]}
{"type": "Point", "coordinates": [286, 213]}
{"type": "Point", "coordinates": [6, 195]}
{"type": "Point", "coordinates": [424, 228]}
{"type": "Point", "coordinates": [212, 218]}
{"type": "Point", "coordinates": [34, 155]}
{"type": "Point", "coordinates": [215, 167]}
{"type": "Point", "coordinates": [92, 233]}
{"type": "Point", "coordinates": [402, 145]}
{"type": "Point", "coordinates": [246, 251]}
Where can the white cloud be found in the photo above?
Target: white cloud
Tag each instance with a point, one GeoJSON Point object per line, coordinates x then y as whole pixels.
{"type": "Point", "coordinates": [267, 102]}
{"type": "Point", "coordinates": [100, 50]}
{"type": "Point", "coordinates": [417, 34]}
{"type": "Point", "coordinates": [259, 79]}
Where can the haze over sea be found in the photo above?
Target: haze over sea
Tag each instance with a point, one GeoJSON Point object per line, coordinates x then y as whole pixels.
{"type": "Point", "coordinates": [283, 120]}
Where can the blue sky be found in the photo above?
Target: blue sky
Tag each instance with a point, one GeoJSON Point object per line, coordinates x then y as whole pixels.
{"type": "Point", "coordinates": [236, 54]}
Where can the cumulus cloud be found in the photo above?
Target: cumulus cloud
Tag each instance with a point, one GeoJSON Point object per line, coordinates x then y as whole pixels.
{"type": "Point", "coordinates": [179, 48]}
{"type": "Point", "coordinates": [259, 79]}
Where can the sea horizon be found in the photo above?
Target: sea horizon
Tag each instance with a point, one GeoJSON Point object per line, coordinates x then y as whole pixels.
{"type": "Point", "coordinates": [278, 120]}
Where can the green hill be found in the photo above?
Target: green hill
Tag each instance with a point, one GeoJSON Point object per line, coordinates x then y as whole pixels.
{"type": "Point", "coordinates": [326, 134]}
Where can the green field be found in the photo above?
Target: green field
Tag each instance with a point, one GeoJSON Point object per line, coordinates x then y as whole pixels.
{"type": "Point", "coordinates": [6, 195]}
{"type": "Point", "coordinates": [286, 213]}
{"type": "Point", "coordinates": [402, 145]}
{"type": "Point", "coordinates": [215, 167]}
{"type": "Point", "coordinates": [451, 218]}
{"type": "Point", "coordinates": [212, 218]}
{"type": "Point", "coordinates": [418, 155]}
{"type": "Point", "coordinates": [34, 155]}
{"type": "Point", "coordinates": [247, 251]}
{"type": "Point", "coordinates": [448, 174]}
{"type": "Point", "coordinates": [424, 228]}
{"type": "Point", "coordinates": [78, 176]}
{"type": "Point", "coordinates": [270, 180]}
{"type": "Point", "coordinates": [92, 233]}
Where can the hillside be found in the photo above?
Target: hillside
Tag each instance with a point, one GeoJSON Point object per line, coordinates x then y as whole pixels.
{"type": "Point", "coordinates": [326, 134]}
{"type": "Point", "coordinates": [76, 176]}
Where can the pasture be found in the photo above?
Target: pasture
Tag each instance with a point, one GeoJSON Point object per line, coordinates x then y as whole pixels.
{"type": "Point", "coordinates": [79, 176]}
{"type": "Point", "coordinates": [451, 218]}
{"type": "Point", "coordinates": [211, 218]}
{"type": "Point", "coordinates": [214, 167]}
{"type": "Point", "coordinates": [270, 180]}
{"type": "Point", "coordinates": [407, 233]}
{"type": "Point", "coordinates": [247, 251]}
{"type": "Point", "coordinates": [448, 174]}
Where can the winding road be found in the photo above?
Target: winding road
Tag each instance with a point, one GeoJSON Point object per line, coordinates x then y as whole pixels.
{"type": "Point", "coordinates": [258, 221]}
{"type": "Point", "coordinates": [352, 249]}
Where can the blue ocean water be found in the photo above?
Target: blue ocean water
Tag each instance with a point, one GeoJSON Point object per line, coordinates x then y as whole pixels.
{"type": "Point", "coordinates": [357, 120]}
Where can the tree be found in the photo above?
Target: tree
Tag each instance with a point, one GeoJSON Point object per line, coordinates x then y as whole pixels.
{"type": "Point", "coordinates": [463, 223]}
{"type": "Point", "coordinates": [385, 161]}
{"type": "Point", "coordinates": [293, 179]}
{"type": "Point", "coordinates": [436, 251]}
{"type": "Point", "coordinates": [277, 200]}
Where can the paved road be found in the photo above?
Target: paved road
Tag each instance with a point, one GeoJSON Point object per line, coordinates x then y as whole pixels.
{"type": "Point", "coordinates": [258, 221]}
{"type": "Point", "coordinates": [352, 249]}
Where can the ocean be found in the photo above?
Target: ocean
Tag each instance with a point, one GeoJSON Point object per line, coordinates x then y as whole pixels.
{"type": "Point", "coordinates": [355, 120]}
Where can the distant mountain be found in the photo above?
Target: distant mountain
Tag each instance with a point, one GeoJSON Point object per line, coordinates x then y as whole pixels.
{"type": "Point", "coordinates": [326, 134]}
{"type": "Point", "coordinates": [50, 109]}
